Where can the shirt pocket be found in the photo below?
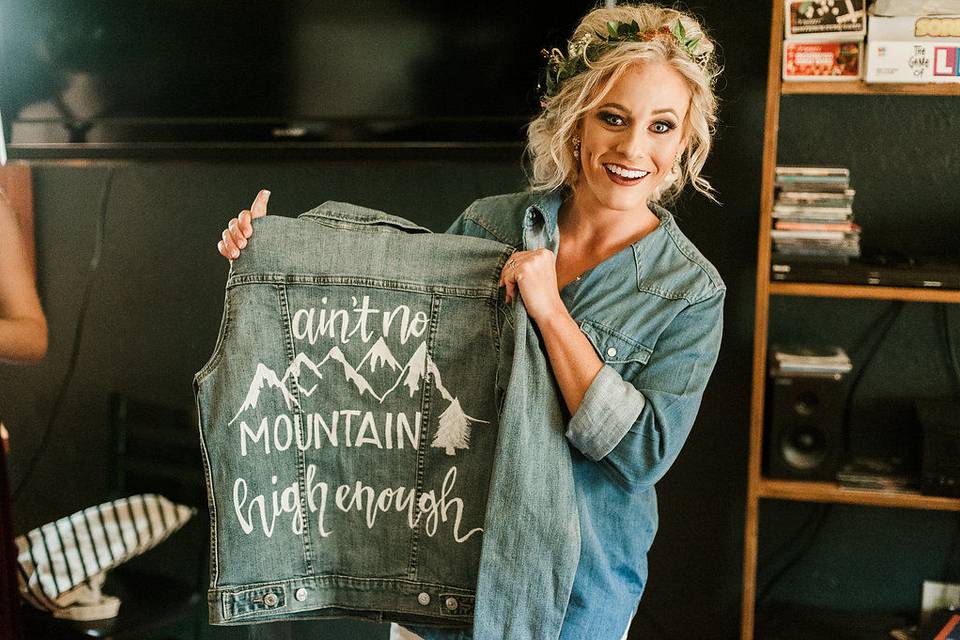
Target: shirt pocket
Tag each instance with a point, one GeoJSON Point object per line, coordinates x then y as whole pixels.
{"type": "Point", "coordinates": [626, 355]}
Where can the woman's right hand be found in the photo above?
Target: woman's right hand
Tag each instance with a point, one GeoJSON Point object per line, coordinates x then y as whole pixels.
{"type": "Point", "coordinates": [234, 237]}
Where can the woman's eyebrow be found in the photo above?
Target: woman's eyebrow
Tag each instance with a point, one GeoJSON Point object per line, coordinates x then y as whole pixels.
{"type": "Point", "coordinates": [617, 105]}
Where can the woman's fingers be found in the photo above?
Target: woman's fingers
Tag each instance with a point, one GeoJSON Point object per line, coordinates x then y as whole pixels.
{"type": "Point", "coordinates": [233, 251]}
{"type": "Point", "coordinates": [236, 235]}
{"type": "Point", "coordinates": [246, 223]}
{"type": "Point", "coordinates": [509, 277]}
{"type": "Point", "coordinates": [259, 206]}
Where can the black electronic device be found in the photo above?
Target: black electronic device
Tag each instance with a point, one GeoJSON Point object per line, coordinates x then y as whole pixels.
{"type": "Point", "coordinates": [879, 270]}
{"type": "Point", "coordinates": [284, 71]}
{"type": "Point", "coordinates": [805, 422]}
{"type": "Point", "coordinates": [940, 461]}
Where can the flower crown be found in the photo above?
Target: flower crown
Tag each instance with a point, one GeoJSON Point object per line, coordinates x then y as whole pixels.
{"type": "Point", "coordinates": [589, 47]}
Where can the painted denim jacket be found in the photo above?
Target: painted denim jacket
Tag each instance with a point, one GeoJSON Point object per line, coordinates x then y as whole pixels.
{"type": "Point", "coordinates": [654, 313]}
{"type": "Point", "coordinates": [381, 436]}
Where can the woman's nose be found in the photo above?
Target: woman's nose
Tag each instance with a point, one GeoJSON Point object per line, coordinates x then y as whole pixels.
{"type": "Point", "coordinates": [632, 144]}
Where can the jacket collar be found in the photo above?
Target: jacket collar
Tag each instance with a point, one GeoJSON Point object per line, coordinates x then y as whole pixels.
{"type": "Point", "coordinates": [345, 214]}
{"type": "Point", "coordinates": [540, 227]}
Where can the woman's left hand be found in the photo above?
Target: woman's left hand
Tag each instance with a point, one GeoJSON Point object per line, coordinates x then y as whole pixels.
{"type": "Point", "coordinates": [535, 274]}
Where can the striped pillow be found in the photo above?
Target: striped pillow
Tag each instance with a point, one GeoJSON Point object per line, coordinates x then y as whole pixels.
{"type": "Point", "coordinates": [61, 556]}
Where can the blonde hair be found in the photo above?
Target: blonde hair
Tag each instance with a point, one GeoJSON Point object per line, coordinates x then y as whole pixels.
{"type": "Point", "coordinates": [549, 135]}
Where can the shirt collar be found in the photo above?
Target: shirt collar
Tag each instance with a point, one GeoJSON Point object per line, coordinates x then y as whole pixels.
{"type": "Point", "coordinates": [540, 224]}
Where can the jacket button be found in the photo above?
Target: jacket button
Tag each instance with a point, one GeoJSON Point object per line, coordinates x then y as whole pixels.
{"type": "Point", "coordinates": [451, 603]}
{"type": "Point", "coordinates": [611, 352]}
{"type": "Point", "coordinates": [301, 594]}
{"type": "Point", "coordinates": [423, 598]}
{"type": "Point", "coordinates": [271, 599]}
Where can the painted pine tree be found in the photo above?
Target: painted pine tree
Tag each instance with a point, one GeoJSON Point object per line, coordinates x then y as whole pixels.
{"type": "Point", "coordinates": [454, 429]}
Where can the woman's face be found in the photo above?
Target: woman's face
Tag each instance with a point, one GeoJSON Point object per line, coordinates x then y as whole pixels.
{"type": "Point", "coordinates": [629, 142]}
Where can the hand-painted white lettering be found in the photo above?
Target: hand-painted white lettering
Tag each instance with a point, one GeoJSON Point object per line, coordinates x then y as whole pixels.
{"type": "Point", "coordinates": [305, 375]}
{"type": "Point", "coordinates": [367, 426]}
{"type": "Point", "coordinates": [319, 422]}
{"type": "Point", "coordinates": [282, 425]}
{"type": "Point", "coordinates": [364, 310]}
{"type": "Point", "coordinates": [348, 498]}
{"type": "Point", "coordinates": [302, 432]}
{"type": "Point", "coordinates": [346, 424]}
{"type": "Point", "coordinates": [311, 498]}
{"type": "Point", "coordinates": [245, 432]}
{"type": "Point", "coordinates": [312, 324]}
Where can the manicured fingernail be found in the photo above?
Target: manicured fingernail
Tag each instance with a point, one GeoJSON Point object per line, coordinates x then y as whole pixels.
{"type": "Point", "coordinates": [235, 254]}
{"type": "Point", "coordinates": [243, 243]}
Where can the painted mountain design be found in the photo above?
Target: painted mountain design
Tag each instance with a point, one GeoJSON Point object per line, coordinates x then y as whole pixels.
{"type": "Point", "coordinates": [379, 355]}
{"type": "Point", "coordinates": [453, 431]}
{"type": "Point", "coordinates": [265, 377]}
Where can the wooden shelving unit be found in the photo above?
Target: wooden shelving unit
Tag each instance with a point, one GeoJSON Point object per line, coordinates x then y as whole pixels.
{"type": "Point", "coordinates": [759, 487]}
{"type": "Point", "coordinates": [817, 290]}
{"type": "Point", "coordinates": [859, 87]}
{"type": "Point", "coordinates": [830, 492]}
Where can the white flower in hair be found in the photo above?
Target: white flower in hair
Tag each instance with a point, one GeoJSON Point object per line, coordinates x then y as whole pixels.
{"type": "Point", "coordinates": [579, 46]}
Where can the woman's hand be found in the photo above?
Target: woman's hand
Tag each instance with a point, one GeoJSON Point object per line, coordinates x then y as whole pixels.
{"type": "Point", "coordinates": [234, 237]}
{"type": "Point", "coordinates": [535, 274]}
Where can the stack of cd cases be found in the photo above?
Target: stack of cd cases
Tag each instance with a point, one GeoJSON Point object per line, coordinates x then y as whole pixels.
{"type": "Point", "coordinates": [806, 361]}
{"type": "Point", "coordinates": [813, 215]}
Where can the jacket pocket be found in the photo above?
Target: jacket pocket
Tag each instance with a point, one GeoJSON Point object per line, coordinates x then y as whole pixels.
{"type": "Point", "coordinates": [626, 355]}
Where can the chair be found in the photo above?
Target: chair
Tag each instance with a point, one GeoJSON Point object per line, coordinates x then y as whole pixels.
{"type": "Point", "coordinates": [155, 449]}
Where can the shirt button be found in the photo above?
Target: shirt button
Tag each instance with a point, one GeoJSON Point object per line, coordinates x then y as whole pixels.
{"type": "Point", "coordinates": [271, 599]}
{"type": "Point", "coordinates": [611, 352]}
{"type": "Point", "coordinates": [451, 603]}
{"type": "Point", "coordinates": [423, 598]}
{"type": "Point", "coordinates": [301, 594]}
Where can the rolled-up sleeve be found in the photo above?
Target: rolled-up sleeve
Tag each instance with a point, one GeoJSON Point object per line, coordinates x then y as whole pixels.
{"type": "Point", "coordinates": [636, 427]}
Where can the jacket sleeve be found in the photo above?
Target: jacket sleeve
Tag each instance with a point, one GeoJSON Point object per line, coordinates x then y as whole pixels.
{"type": "Point", "coordinates": [635, 428]}
{"type": "Point", "coordinates": [459, 226]}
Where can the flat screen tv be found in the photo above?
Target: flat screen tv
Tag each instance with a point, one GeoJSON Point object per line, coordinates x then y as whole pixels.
{"type": "Point", "coordinates": [142, 71]}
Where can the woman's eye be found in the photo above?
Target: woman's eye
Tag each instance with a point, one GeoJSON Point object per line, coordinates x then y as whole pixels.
{"type": "Point", "coordinates": [662, 126]}
{"type": "Point", "coordinates": [612, 119]}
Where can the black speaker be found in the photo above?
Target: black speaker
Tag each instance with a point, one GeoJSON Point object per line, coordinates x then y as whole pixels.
{"type": "Point", "coordinates": [940, 420]}
{"type": "Point", "coordinates": [805, 427]}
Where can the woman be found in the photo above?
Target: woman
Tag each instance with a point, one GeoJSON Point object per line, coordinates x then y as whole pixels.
{"type": "Point", "coordinates": [23, 339]}
{"type": "Point", "coordinates": [629, 310]}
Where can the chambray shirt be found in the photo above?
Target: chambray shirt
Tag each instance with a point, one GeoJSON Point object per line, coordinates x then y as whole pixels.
{"type": "Point", "coordinates": [653, 312]}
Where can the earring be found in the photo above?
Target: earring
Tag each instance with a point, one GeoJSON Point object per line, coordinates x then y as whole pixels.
{"type": "Point", "coordinates": [576, 146]}
{"type": "Point", "coordinates": [676, 164]}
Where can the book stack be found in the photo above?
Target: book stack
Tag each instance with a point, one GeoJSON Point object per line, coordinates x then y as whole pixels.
{"type": "Point", "coordinates": [823, 39]}
{"type": "Point", "coordinates": [804, 361]}
{"type": "Point", "coordinates": [813, 215]}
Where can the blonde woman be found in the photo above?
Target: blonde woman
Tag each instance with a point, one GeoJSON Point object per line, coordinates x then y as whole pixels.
{"type": "Point", "coordinates": [629, 310]}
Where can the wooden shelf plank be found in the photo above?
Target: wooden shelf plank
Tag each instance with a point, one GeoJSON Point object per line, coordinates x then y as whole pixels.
{"type": "Point", "coordinates": [862, 88]}
{"type": "Point", "coordinates": [831, 492]}
{"type": "Point", "coordinates": [820, 290]}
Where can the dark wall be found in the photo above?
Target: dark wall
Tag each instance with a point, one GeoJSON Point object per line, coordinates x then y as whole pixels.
{"type": "Point", "coordinates": [155, 301]}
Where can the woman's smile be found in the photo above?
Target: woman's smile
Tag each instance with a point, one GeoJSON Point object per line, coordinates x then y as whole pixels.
{"type": "Point", "coordinates": [622, 175]}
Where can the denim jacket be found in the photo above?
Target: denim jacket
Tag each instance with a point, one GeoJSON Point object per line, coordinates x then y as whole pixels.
{"type": "Point", "coordinates": [654, 313]}
{"type": "Point", "coordinates": [375, 427]}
